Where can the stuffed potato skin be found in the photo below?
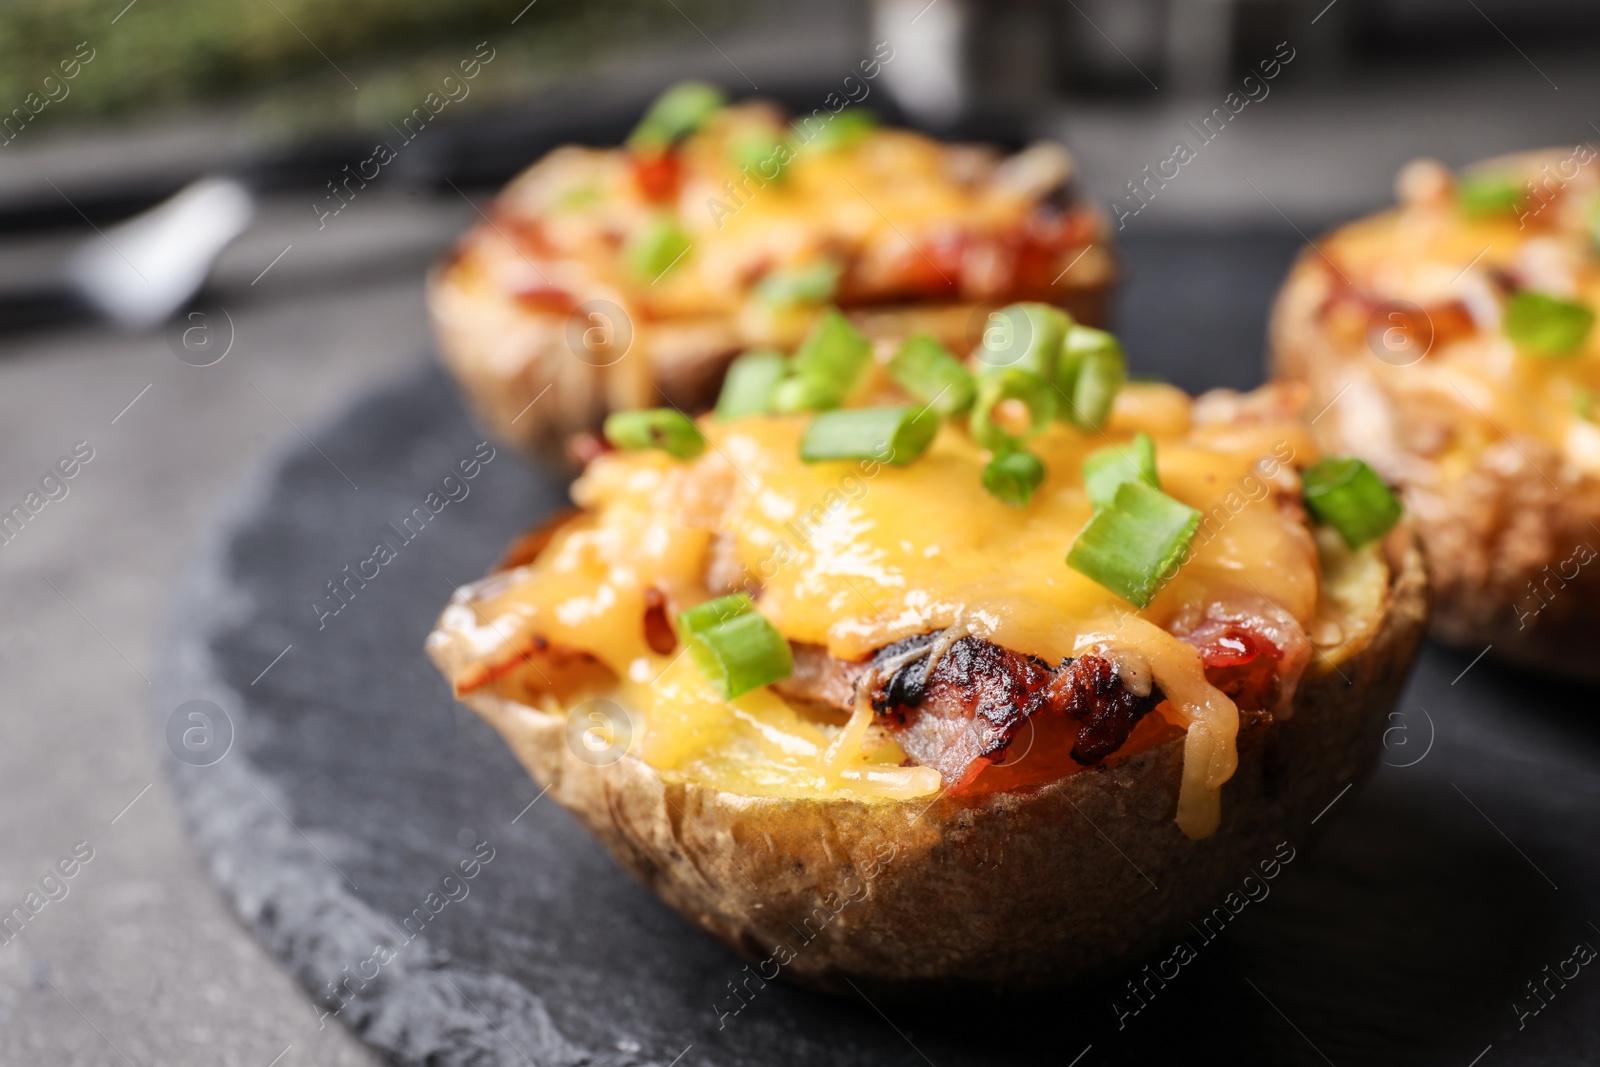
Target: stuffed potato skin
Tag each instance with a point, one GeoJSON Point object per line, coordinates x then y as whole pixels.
{"type": "Point", "coordinates": [1009, 891]}
{"type": "Point", "coordinates": [541, 302]}
{"type": "Point", "coordinates": [1508, 516]}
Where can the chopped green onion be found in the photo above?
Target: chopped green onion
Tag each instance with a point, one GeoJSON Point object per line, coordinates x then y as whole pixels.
{"type": "Point", "coordinates": [1348, 495]}
{"type": "Point", "coordinates": [713, 613]}
{"type": "Point", "coordinates": [844, 129]}
{"type": "Point", "coordinates": [1025, 336]}
{"type": "Point", "coordinates": [1091, 372]}
{"type": "Point", "coordinates": [656, 249]}
{"type": "Point", "coordinates": [1493, 193]}
{"type": "Point", "coordinates": [1584, 403]}
{"type": "Point", "coordinates": [665, 428]}
{"type": "Point", "coordinates": [1547, 325]}
{"type": "Point", "coordinates": [811, 283]}
{"type": "Point", "coordinates": [765, 155]}
{"type": "Point", "coordinates": [578, 197]}
{"type": "Point", "coordinates": [1134, 546]}
{"type": "Point", "coordinates": [997, 387]}
{"type": "Point", "coordinates": [747, 389]}
{"type": "Point", "coordinates": [825, 366]}
{"type": "Point", "coordinates": [676, 113]}
{"type": "Point", "coordinates": [928, 371]}
{"type": "Point", "coordinates": [1013, 476]}
{"type": "Point", "coordinates": [735, 646]}
{"type": "Point", "coordinates": [792, 395]}
{"type": "Point", "coordinates": [1105, 470]}
{"type": "Point", "coordinates": [893, 435]}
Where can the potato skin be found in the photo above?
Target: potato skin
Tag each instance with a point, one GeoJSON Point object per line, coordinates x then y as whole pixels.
{"type": "Point", "coordinates": [504, 356]}
{"type": "Point", "coordinates": [1008, 892]}
{"type": "Point", "coordinates": [1493, 537]}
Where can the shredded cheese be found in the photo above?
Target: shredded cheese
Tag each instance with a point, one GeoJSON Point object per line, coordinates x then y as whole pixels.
{"type": "Point", "coordinates": [856, 556]}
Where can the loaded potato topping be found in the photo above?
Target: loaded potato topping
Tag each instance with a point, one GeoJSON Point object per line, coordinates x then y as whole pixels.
{"type": "Point", "coordinates": [722, 213]}
{"type": "Point", "coordinates": [895, 574]}
{"type": "Point", "coordinates": [1478, 290]}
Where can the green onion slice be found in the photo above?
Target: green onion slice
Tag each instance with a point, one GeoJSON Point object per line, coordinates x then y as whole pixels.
{"type": "Point", "coordinates": [765, 155]}
{"type": "Point", "coordinates": [1091, 371]}
{"type": "Point", "coordinates": [1348, 495]}
{"type": "Point", "coordinates": [676, 113]}
{"type": "Point", "coordinates": [735, 646]}
{"type": "Point", "coordinates": [1586, 403]}
{"type": "Point", "coordinates": [1105, 470]}
{"type": "Point", "coordinates": [1491, 193]}
{"type": "Point", "coordinates": [792, 395]}
{"type": "Point", "coordinates": [997, 387]}
{"type": "Point", "coordinates": [892, 435]}
{"type": "Point", "coordinates": [1135, 546]}
{"type": "Point", "coordinates": [825, 366]}
{"type": "Point", "coordinates": [811, 283]}
{"type": "Point", "coordinates": [656, 249]}
{"type": "Point", "coordinates": [1013, 476]}
{"type": "Point", "coordinates": [665, 428]}
{"type": "Point", "coordinates": [1025, 337]}
{"type": "Point", "coordinates": [928, 371]}
{"type": "Point", "coordinates": [1547, 325]}
{"type": "Point", "coordinates": [713, 613]}
{"type": "Point", "coordinates": [747, 389]}
{"type": "Point", "coordinates": [845, 128]}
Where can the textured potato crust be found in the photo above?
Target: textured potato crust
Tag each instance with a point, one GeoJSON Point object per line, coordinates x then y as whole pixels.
{"type": "Point", "coordinates": [1009, 891]}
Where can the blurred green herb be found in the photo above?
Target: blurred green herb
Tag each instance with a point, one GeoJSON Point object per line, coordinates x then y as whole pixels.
{"type": "Point", "coordinates": [292, 63]}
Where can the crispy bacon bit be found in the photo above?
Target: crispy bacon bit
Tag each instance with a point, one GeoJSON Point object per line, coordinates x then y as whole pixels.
{"type": "Point", "coordinates": [963, 716]}
{"type": "Point", "coordinates": [819, 681]}
{"type": "Point", "coordinates": [1243, 666]}
{"type": "Point", "coordinates": [545, 299]}
{"type": "Point", "coordinates": [1391, 324]}
{"type": "Point", "coordinates": [1089, 690]}
{"type": "Point", "coordinates": [657, 174]}
{"type": "Point", "coordinates": [583, 448]}
{"type": "Point", "coordinates": [1255, 652]}
{"type": "Point", "coordinates": [658, 633]}
{"type": "Point", "coordinates": [525, 232]}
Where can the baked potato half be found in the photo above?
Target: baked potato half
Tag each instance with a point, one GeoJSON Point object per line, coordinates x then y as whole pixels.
{"type": "Point", "coordinates": [827, 684]}
{"type": "Point", "coordinates": [609, 279]}
{"type": "Point", "coordinates": [1448, 341]}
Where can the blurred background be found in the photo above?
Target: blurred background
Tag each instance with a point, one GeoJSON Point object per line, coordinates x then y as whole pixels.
{"type": "Point", "coordinates": [108, 109]}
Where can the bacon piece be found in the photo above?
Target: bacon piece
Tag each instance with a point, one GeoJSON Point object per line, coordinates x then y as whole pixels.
{"type": "Point", "coordinates": [819, 680]}
{"type": "Point", "coordinates": [658, 632]}
{"type": "Point", "coordinates": [1089, 690]}
{"type": "Point", "coordinates": [978, 700]}
{"type": "Point", "coordinates": [545, 300]}
{"type": "Point", "coordinates": [657, 174]}
{"type": "Point", "coordinates": [585, 447]}
{"type": "Point", "coordinates": [1254, 652]}
{"type": "Point", "coordinates": [963, 715]}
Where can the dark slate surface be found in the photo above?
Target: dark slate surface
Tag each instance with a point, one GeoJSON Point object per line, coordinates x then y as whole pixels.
{"type": "Point", "coordinates": [354, 786]}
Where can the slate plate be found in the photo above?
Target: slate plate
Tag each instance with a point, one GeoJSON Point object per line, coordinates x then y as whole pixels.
{"type": "Point", "coordinates": [350, 786]}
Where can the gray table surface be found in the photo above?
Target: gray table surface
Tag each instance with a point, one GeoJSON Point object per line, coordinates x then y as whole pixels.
{"type": "Point", "coordinates": [141, 962]}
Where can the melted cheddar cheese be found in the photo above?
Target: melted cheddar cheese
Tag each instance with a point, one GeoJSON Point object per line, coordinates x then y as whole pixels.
{"type": "Point", "coordinates": [903, 214]}
{"type": "Point", "coordinates": [1464, 380]}
{"type": "Point", "coordinates": [856, 555]}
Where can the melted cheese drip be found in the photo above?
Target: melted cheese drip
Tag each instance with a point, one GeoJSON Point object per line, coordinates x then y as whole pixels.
{"type": "Point", "coordinates": [1430, 254]}
{"type": "Point", "coordinates": [854, 556]}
